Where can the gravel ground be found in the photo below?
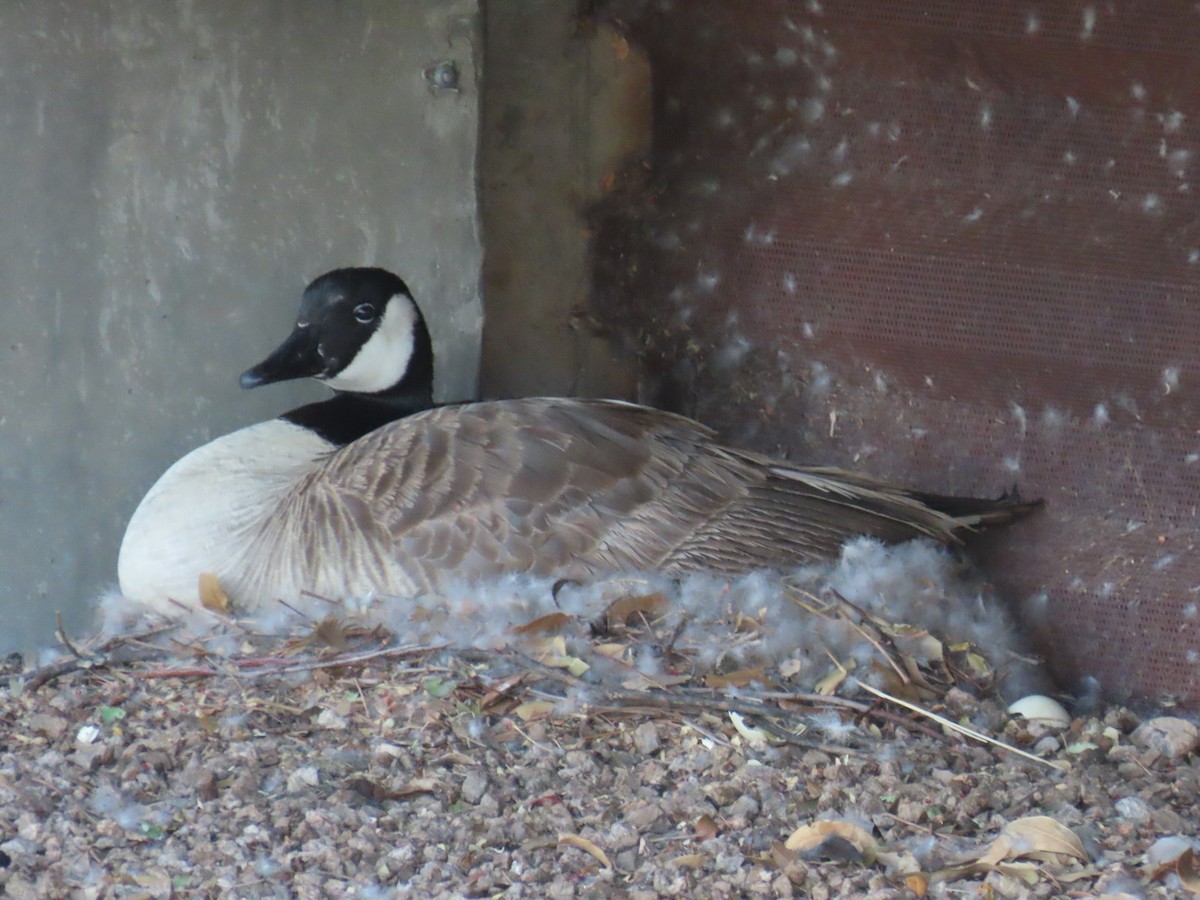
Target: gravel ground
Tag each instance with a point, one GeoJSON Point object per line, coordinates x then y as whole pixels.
{"type": "Point", "coordinates": [335, 764]}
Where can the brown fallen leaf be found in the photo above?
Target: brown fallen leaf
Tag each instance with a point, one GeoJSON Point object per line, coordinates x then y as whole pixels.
{"type": "Point", "coordinates": [612, 651]}
{"type": "Point", "coordinates": [639, 682]}
{"type": "Point", "coordinates": [1185, 866]}
{"type": "Point", "coordinates": [542, 624]}
{"type": "Point", "coordinates": [329, 631]}
{"type": "Point", "coordinates": [1033, 837]}
{"type": "Point", "coordinates": [500, 690]}
{"type": "Point", "coordinates": [706, 828]}
{"type": "Point", "coordinates": [786, 861]}
{"type": "Point", "coordinates": [534, 709]}
{"type": "Point", "coordinates": [621, 610]}
{"type": "Point", "coordinates": [547, 648]}
{"type": "Point", "coordinates": [739, 678]}
{"type": "Point", "coordinates": [414, 787]}
{"type": "Point", "coordinates": [815, 838]}
{"type": "Point", "coordinates": [831, 682]}
{"type": "Point", "coordinates": [574, 840]}
{"type": "Point", "coordinates": [212, 595]}
{"type": "Point", "coordinates": [371, 789]}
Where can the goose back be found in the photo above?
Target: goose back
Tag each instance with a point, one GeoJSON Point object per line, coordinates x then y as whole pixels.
{"type": "Point", "coordinates": [571, 488]}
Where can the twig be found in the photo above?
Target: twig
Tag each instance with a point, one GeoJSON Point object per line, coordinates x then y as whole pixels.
{"type": "Point", "coordinates": [305, 616]}
{"type": "Point", "coordinates": [338, 603]}
{"type": "Point", "coordinates": [877, 640]}
{"type": "Point", "coordinates": [962, 729]}
{"type": "Point", "coordinates": [99, 659]}
{"type": "Point", "coordinates": [61, 634]}
{"type": "Point", "coordinates": [347, 659]}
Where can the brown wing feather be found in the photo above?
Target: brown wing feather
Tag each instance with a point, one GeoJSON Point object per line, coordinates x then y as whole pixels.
{"type": "Point", "coordinates": [573, 487]}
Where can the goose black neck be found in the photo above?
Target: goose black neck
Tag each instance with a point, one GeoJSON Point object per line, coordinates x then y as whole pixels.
{"type": "Point", "coordinates": [345, 418]}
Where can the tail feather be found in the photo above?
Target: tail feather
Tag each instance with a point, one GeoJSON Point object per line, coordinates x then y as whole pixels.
{"type": "Point", "coordinates": [977, 512]}
{"type": "Point", "coordinates": [806, 514]}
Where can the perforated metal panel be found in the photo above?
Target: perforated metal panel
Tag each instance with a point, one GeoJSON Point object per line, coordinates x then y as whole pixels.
{"type": "Point", "coordinates": [952, 244]}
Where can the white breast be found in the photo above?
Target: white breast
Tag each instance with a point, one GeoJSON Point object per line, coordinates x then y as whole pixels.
{"type": "Point", "coordinates": [199, 515]}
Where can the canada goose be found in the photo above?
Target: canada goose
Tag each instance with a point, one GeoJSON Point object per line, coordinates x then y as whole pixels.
{"type": "Point", "coordinates": [375, 490]}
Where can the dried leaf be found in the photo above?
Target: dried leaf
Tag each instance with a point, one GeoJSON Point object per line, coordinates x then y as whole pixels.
{"type": "Point", "coordinates": [329, 631]}
{"type": "Point", "coordinates": [740, 678]}
{"type": "Point", "coordinates": [1167, 861]}
{"type": "Point", "coordinates": [1025, 872]}
{"type": "Point", "coordinates": [812, 839]}
{"type": "Point", "coordinates": [1187, 867]}
{"type": "Point", "coordinates": [648, 605]}
{"type": "Point", "coordinates": [744, 624]}
{"type": "Point", "coordinates": [534, 709]}
{"type": "Point", "coordinates": [639, 682]}
{"type": "Point", "coordinates": [755, 737]}
{"type": "Point", "coordinates": [212, 595]}
{"type": "Point", "coordinates": [552, 651]}
{"type": "Point", "coordinates": [587, 846]}
{"type": "Point", "coordinates": [706, 828]}
{"type": "Point", "coordinates": [1033, 837]}
{"type": "Point", "coordinates": [501, 690]}
{"type": "Point", "coordinates": [414, 787]}
{"type": "Point", "coordinates": [612, 651]}
{"type": "Point", "coordinates": [542, 624]}
{"type": "Point", "coordinates": [787, 862]}
{"type": "Point", "coordinates": [831, 682]}
{"type": "Point", "coordinates": [543, 649]}
{"type": "Point", "coordinates": [370, 789]}
{"type": "Point", "coordinates": [791, 667]}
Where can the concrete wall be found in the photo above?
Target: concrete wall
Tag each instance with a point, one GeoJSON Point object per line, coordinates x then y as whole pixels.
{"type": "Point", "coordinates": [566, 119]}
{"type": "Point", "coordinates": [171, 174]}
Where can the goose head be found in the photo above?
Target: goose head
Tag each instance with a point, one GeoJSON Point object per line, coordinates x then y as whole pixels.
{"type": "Point", "coordinates": [359, 332]}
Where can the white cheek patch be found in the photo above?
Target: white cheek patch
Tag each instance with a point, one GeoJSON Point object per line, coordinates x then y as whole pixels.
{"type": "Point", "coordinates": [382, 361]}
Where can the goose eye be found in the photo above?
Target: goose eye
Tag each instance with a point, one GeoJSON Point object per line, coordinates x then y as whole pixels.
{"type": "Point", "coordinates": [364, 313]}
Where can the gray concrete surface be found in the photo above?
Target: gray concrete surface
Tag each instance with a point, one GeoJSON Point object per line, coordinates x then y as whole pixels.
{"type": "Point", "coordinates": [171, 174]}
{"type": "Point", "coordinates": [566, 110]}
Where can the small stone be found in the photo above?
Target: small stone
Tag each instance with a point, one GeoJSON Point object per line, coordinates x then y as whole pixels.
{"type": "Point", "coordinates": [201, 780]}
{"type": "Point", "coordinates": [304, 777]}
{"type": "Point", "coordinates": [474, 786]}
{"type": "Point", "coordinates": [782, 886]}
{"type": "Point", "coordinates": [330, 719]}
{"type": "Point", "coordinates": [1133, 808]}
{"type": "Point", "coordinates": [1047, 746]}
{"type": "Point", "coordinates": [641, 815]}
{"type": "Point", "coordinates": [1167, 850]}
{"type": "Point", "coordinates": [48, 725]}
{"type": "Point", "coordinates": [1169, 736]}
{"type": "Point", "coordinates": [19, 888]}
{"type": "Point", "coordinates": [92, 756]}
{"type": "Point", "coordinates": [1167, 820]}
{"type": "Point", "coordinates": [745, 807]}
{"type": "Point", "coordinates": [622, 836]}
{"type": "Point", "coordinates": [645, 739]}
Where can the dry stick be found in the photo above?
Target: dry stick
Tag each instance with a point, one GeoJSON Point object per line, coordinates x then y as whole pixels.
{"type": "Point", "coordinates": [315, 596]}
{"type": "Point", "coordinates": [348, 659]}
{"type": "Point", "coordinates": [962, 729]}
{"type": "Point", "coordinates": [876, 640]}
{"type": "Point", "coordinates": [100, 659]}
{"type": "Point", "coordinates": [61, 634]}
